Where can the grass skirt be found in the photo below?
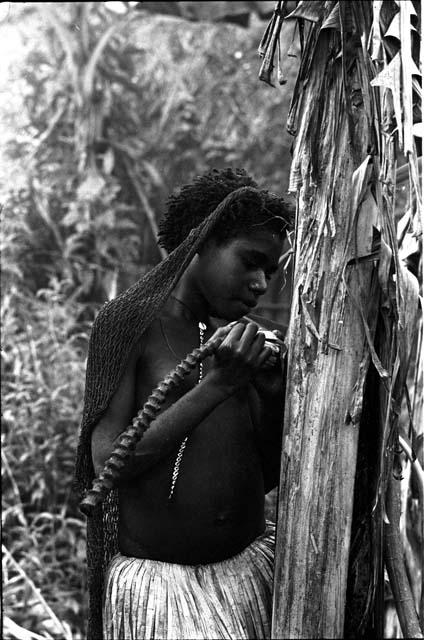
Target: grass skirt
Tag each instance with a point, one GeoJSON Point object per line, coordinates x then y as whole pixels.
{"type": "Point", "coordinates": [230, 599]}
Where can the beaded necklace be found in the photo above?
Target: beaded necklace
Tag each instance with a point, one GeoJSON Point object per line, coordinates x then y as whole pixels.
{"type": "Point", "coordinates": [178, 459]}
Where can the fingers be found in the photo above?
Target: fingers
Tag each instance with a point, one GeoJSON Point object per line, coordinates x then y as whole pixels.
{"type": "Point", "coordinates": [234, 332]}
{"type": "Point", "coordinates": [264, 357]}
{"type": "Point", "coordinates": [240, 355]}
{"type": "Point", "coordinates": [278, 334]}
{"type": "Point", "coordinates": [225, 330]}
{"type": "Point", "coordinates": [246, 340]}
{"type": "Point", "coordinates": [246, 343]}
{"type": "Point", "coordinates": [242, 338]}
{"type": "Point", "coordinates": [271, 361]}
{"type": "Point", "coordinates": [250, 335]}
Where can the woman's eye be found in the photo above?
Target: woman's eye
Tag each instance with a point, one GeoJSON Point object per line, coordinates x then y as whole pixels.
{"type": "Point", "coordinates": [250, 264]}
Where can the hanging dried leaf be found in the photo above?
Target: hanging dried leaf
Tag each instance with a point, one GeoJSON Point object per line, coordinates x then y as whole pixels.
{"type": "Point", "coordinates": [408, 313]}
{"type": "Point", "coordinates": [372, 108]}
{"type": "Point", "coordinates": [333, 20]}
{"type": "Point", "coordinates": [308, 10]}
{"type": "Point", "coordinates": [359, 183]}
{"type": "Point", "coordinates": [376, 38]}
{"type": "Point", "coordinates": [270, 44]}
{"type": "Point", "coordinates": [390, 78]}
{"type": "Point", "coordinates": [364, 242]}
{"type": "Point", "coordinates": [385, 273]}
{"type": "Point", "coordinates": [394, 31]}
{"type": "Point", "coordinates": [409, 69]}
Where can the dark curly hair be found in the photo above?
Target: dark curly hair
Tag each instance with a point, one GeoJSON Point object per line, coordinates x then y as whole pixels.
{"type": "Point", "coordinates": [193, 202]}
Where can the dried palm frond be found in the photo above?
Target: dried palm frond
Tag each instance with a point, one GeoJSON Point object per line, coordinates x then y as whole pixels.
{"type": "Point", "coordinates": [352, 112]}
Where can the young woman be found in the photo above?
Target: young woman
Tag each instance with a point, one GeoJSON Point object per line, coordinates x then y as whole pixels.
{"type": "Point", "coordinates": [195, 555]}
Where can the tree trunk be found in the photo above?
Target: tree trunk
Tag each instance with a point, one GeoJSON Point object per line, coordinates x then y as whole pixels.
{"type": "Point", "coordinates": [353, 102]}
{"type": "Point", "coordinates": [328, 350]}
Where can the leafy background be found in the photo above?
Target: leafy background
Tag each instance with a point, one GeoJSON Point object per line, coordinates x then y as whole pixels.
{"type": "Point", "coordinates": [101, 118]}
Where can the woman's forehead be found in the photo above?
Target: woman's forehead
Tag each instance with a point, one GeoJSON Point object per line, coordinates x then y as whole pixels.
{"type": "Point", "coordinates": [260, 238]}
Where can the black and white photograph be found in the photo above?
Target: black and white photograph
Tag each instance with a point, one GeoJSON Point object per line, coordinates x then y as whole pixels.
{"type": "Point", "coordinates": [211, 231]}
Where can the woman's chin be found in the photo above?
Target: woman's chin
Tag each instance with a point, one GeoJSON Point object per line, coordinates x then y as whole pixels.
{"type": "Point", "coordinates": [232, 311]}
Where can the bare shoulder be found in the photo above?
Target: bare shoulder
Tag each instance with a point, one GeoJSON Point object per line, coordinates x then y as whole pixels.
{"type": "Point", "coordinates": [151, 339]}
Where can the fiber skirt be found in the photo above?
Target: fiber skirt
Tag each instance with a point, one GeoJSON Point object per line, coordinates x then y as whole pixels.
{"type": "Point", "coordinates": [148, 599]}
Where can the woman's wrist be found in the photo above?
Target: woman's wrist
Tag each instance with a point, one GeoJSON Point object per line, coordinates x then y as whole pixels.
{"type": "Point", "coordinates": [219, 385]}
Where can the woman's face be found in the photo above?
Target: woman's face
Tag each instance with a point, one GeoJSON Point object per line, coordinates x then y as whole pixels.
{"type": "Point", "coordinates": [232, 276]}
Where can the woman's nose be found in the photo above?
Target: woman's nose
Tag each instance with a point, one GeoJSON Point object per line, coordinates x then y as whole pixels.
{"type": "Point", "coordinates": [259, 285]}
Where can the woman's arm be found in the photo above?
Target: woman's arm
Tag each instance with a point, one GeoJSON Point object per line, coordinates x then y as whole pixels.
{"type": "Point", "coordinates": [268, 393]}
{"type": "Point", "coordinates": [237, 359]}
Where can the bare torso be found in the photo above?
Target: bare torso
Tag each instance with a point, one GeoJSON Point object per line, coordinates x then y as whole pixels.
{"type": "Point", "coordinates": [218, 504]}
{"type": "Point", "coordinates": [232, 418]}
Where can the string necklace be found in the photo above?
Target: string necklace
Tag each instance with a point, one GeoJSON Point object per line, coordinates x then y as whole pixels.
{"type": "Point", "coordinates": [178, 459]}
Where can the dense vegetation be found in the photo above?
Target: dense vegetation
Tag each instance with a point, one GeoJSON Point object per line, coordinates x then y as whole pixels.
{"type": "Point", "coordinates": [105, 116]}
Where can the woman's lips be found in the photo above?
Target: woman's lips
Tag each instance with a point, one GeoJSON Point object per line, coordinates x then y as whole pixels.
{"type": "Point", "coordinates": [250, 304]}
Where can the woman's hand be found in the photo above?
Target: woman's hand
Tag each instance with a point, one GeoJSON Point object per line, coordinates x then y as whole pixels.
{"type": "Point", "coordinates": [269, 379]}
{"type": "Point", "coordinates": [239, 357]}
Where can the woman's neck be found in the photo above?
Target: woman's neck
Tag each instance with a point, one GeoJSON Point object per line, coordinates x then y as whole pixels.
{"type": "Point", "coordinates": [188, 302]}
